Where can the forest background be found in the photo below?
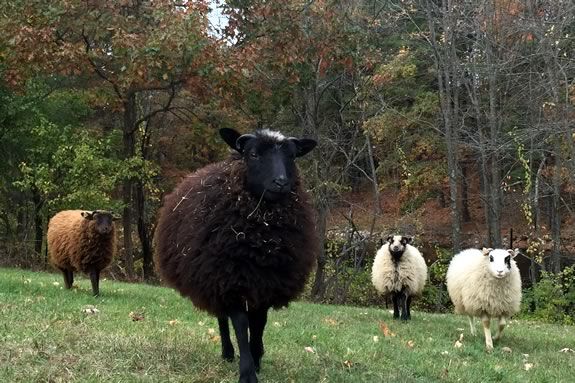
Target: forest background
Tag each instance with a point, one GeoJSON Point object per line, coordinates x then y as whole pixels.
{"type": "Point", "coordinates": [447, 120]}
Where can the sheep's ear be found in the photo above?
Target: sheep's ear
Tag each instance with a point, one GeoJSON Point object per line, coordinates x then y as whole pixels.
{"type": "Point", "coordinates": [89, 215]}
{"type": "Point", "coordinates": [303, 145]}
{"type": "Point", "coordinates": [230, 136]}
{"type": "Point", "coordinates": [408, 240]}
{"type": "Point", "coordinates": [486, 251]}
{"type": "Point", "coordinates": [513, 253]}
{"type": "Point", "coordinates": [390, 238]}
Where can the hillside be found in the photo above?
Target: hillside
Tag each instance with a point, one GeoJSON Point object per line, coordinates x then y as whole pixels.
{"type": "Point", "coordinates": [142, 333]}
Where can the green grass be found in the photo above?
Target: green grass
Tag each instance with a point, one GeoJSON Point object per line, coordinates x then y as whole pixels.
{"type": "Point", "coordinates": [46, 337]}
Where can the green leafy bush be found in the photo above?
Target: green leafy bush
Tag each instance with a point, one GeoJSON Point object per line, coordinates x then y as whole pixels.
{"type": "Point", "coordinates": [552, 299]}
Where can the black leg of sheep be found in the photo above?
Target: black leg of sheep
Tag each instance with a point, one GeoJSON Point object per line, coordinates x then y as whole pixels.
{"type": "Point", "coordinates": [68, 278]}
{"type": "Point", "coordinates": [257, 323]}
{"type": "Point", "coordinates": [395, 297]}
{"type": "Point", "coordinates": [227, 347]}
{"type": "Point", "coordinates": [404, 305]}
{"type": "Point", "coordinates": [95, 279]}
{"type": "Point", "coordinates": [240, 321]}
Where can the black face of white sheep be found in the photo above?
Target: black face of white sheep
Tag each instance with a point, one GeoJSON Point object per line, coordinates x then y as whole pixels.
{"type": "Point", "coordinates": [397, 244]}
{"type": "Point", "coordinates": [269, 157]}
{"type": "Point", "coordinates": [499, 261]}
{"type": "Point", "coordinates": [104, 220]}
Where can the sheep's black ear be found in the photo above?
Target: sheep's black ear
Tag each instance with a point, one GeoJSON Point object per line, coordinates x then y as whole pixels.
{"type": "Point", "coordinates": [390, 239]}
{"type": "Point", "coordinates": [408, 240]}
{"type": "Point", "coordinates": [230, 136]}
{"type": "Point", "coordinates": [89, 215]}
{"type": "Point", "coordinates": [303, 145]}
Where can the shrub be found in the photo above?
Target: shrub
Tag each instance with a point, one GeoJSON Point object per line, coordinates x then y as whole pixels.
{"type": "Point", "coordinates": [552, 299]}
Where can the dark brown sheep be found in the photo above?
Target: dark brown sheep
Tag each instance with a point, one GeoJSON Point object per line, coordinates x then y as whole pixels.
{"type": "Point", "coordinates": [81, 241]}
{"type": "Point", "coordinates": [238, 237]}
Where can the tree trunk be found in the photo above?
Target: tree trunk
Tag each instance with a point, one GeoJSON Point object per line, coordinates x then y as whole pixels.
{"type": "Point", "coordinates": [38, 222]}
{"type": "Point", "coordinates": [556, 211]}
{"type": "Point", "coordinates": [143, 233]}
{"type": "Point", "coordinates": [465, 214]}
{"type": "Point", "coordinates": [318, 288]}
{"type": "Point", "coordinates": [129, 147]}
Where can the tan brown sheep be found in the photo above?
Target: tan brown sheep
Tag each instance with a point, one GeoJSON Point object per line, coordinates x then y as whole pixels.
{"type": "Point", "coordinates": [83, 241]}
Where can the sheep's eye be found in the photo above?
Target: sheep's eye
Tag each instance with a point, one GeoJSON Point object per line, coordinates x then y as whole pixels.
{"type": "Point", "coordinates": [253, 155]}
{"type": "Point", "coordinates": [491, 258]}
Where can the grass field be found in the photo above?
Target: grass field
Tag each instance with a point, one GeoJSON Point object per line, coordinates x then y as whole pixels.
{"type": "Point", "coordinates": [140, 333]}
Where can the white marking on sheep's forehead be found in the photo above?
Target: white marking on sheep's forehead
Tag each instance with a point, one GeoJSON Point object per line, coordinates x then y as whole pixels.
{"type": "Point", "coordinates": [277, 136]}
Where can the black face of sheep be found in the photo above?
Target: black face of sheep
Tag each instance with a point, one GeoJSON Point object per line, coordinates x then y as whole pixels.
{"type": "Point", "coordinates": [104, 220]}
{"type": "Point", "coordinates": [397, 245]}
{"type": "Point", "coordinates": [269, 157]}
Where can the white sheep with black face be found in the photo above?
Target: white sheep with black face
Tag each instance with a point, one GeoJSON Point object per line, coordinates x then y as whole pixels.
{"type": "Point", "coordinates": [487, 284]}
{"type": "Point", "coordinates": [399, 270]}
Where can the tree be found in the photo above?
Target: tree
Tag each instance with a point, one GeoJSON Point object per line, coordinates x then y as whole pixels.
{"type": "Point", "coordinates": [125, 51]}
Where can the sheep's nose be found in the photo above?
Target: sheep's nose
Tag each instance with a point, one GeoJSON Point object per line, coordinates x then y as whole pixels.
{"type": "Point", "coordinates": [281, 181]}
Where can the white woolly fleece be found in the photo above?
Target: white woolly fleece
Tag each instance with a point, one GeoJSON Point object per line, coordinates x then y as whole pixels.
{"type": "Point", "coordinates": [475, 291]}
{"type": "Point", "coordinates": [410, 272]}
{"type": "Point", "coordinates": [271, 134]}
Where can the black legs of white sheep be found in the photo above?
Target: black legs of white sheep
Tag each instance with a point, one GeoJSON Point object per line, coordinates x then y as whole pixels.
{"type": "Point", "coordinates": [399, 270]}
{"type": "Point", "coordinates": [401, 303]}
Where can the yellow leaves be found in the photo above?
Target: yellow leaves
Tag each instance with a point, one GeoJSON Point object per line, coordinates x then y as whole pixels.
{"type": "Point", "coordinates": [173, 322]}
{"type": "Point", "coordinates": [330, 321]}
{"type": "Point", "coordinates": [309, 349]}
{"type": "Point", "coordinates": [459, 342]}
{"type": "Point", "coordinates": [213, 336]}
{"type": "Point", "coordinates": [410, 344]}
{"type": "Point", "coordinates": [136, 316]}
{"type": "Point", "coordinates": [385, 330]}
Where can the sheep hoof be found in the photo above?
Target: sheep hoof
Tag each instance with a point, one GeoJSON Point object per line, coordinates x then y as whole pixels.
{"type": "Point", "coordinates": [228, 356]}
{"type": "Point", "coordinates": [250, 378]}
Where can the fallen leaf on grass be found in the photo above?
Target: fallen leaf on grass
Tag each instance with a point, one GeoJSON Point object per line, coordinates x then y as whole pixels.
{"type": "Point", "coordinates": [90, 310]}
{"type": "Point", "coordinates": [314, 337]}
{"type": "Point", "coordinates": [506, 349]}
{"type": "Point", "coordinates": [385, 330]}
{"type": "Point", "coordinates": [330, 321]}
{"type": "Point", "coordinates": [348, 363]}
{"type": "Point", "coordinates": [173, 322]}
{"type": "Point", "coordinates": [309, 349]}
{"type": "Point", "coordinates": [56, 283]}
{"type": "Point", "coordinates": [457, 344]}
{"type": "Point", "coordinates": [444, 352]}
{"type": "Point", "coordinates": [375, 338]}
{"type": "Point", "coordinates": [211, 331]}
{"type": "Point", "coordinates": [566, 350]}
{"type": "Point", "coordinates": [136, 316]}
{"type": "Point", "coordinates": [410, 344]}
{"type": "Point", "coordinates": [528, 366]}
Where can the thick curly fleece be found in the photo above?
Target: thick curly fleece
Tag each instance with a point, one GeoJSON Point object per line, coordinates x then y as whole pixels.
{"type": "Point", "coordinates": [221, 247]}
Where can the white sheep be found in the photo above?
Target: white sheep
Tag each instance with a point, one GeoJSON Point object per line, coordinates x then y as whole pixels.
{"type": "Point", "coordinates": [399, 270]}
{"type": "Point", "coordinates": [485, 284]}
